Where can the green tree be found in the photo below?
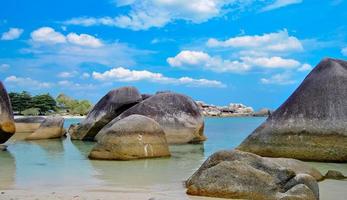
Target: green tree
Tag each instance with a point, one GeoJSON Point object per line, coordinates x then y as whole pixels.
{"type": "Point", "coordinates": [20, 101]}
{"type": "Point", "coordinates": [73, 106]}
{"type": "Point", "coordinates": [44, 102]}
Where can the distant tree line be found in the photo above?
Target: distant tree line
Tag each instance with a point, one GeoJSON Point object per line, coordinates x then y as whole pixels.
{"type": "Point", "coordinates": [24, 103]}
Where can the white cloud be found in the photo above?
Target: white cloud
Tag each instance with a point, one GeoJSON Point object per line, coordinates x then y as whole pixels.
{"type": "Point", "coordinates": [272, 42]}
{"type": "Point", "coordinates": [344, 51]}
{"type": "Point", "coordinates": [145, 14]}
{"type": "Point", "coordinates": [279, 79]}
{"type": "Point", "coordinates": [26, 82]}
{"type": "Point", "coordinates": [280, 3]}
{"type": "Point", "coordinates": [203, 60]}
{"type": "Point", "coordinates": [272, 62]}
{"type": "Point", "coordinates": [84, 40]}
{"type": "Point", "coordinates": [12, 34]}
{"type": "Point", "coordinates": [85, 75]}
{"type": "Point", "coordinates": [47, 35]}
{"type": "Point", "coordinates": [67, 74]}
{"type": "Point", "coordinates": [125, 75]}
{"type": "Point", "coordinates": [305, 67]}
{"type": "Point", "coordinates": [4, 67]}
{"type": "Point", "coordinates": [76, 86]}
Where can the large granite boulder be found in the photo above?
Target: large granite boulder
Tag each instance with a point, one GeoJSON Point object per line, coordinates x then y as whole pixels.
{"type": "Point", "coordinates": [110, 106]}
{"type": "Point", "coordinates": [312, 123]}
{"type": "Point", "coordinates": [133, 137]}
{"type": "Point", "coordinates": [50, 128]}
{"type": "Point", "coordinates": [28, 124]}
{"type": "Point", "coordinates": [177, 114]}
{"type": "Point", "coordinates": [241, 175]}
{"type": "Point", "coordinates": [7, 126]}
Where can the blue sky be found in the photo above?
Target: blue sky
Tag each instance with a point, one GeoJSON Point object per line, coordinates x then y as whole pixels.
{"type": "Point", "coordinates": [218, 51]}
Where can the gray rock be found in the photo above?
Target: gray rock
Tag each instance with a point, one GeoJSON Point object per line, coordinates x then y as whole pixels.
{"type": "Point", "coordinates": [145, 96]}
{"type": "Point", "coordinates": [110, 106]}
{"type": "Point", "coordinates": [177, 114]}
{"type": "Point", "coordinates": [28, 124]}
{"type": "Point", "coordinates": [333, 174]}
{"type": "Point", "coordinates": [297, 166]}
{"type": "Point", "coordinates": [50, 128]}
{"type": "Point", "coordinates": [311, 124]}
{"type": "Point", "coordinates": [133, 137]}
{"type": "Point", "coordinates": [241, 175]}
{"type": "Point", "coordinates": [7, 126]}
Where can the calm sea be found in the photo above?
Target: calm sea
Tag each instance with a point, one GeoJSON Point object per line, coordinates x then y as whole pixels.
{"type": "Point", "coordinates": [63, 164]}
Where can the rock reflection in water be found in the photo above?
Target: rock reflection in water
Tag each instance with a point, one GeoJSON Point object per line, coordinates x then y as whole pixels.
{"type": "Point", "coordinates": [7, 170]}
{"type": "Point", "coordinates": [149, 173]}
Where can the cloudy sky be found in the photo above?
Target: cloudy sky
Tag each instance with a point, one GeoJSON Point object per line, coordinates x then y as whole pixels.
{"type": "Point", "coordinates": [218, 51]}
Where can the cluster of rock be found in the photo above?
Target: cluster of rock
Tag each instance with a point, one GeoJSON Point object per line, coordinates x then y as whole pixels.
{"type": "Point", "coordinates": [40, 128]}
{"type": "Point", "coordinates": [310, 125]}
{"type": "Point", "coordinates": [128, 125]}
{"type": "Point", "coordinates": [240, 175]}
{"type": "Point", "coordinates": [233, 110]}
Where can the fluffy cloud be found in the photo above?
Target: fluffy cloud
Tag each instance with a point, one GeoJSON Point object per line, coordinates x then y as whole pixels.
{"type": "Point", "coordinates": [67, 74]}
{"type": "Point", "coordinates": [48, 35]}
{"type": "Point", "coordinates": [12, 34]}
{"type": "Point", "coordinates": [305, 67]}
{"type": "Point", "coordinates": [145, 14]}
{"type": "Point", "coordinates": [272, 62]}
{"type": "Point", "coordinates": [84, 40]}
{"type": "Point", "coordinates": [279, 79]}
{"type": "Point", "coordinates": [272, 42]}
{"type": "Point", "coordinates": [26, 82]}
{"type": "Point", "coordinates": [125, 75]}
{"type": "Point", "coordinates": [280, 3]}
{"type": "Point", "coordinates": [344, 51]}
{"type": "Point", "coordinates": [215, 63]}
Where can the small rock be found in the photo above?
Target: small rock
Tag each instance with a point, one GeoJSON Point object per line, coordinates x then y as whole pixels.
{"type": "Point", "coordinates": [333, 174]}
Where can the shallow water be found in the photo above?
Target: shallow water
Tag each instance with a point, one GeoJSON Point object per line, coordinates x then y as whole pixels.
{"type": "Point", "coordinates": [52, 165]}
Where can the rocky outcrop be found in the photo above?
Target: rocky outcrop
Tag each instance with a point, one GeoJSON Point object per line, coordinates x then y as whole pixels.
{"type": "Point", "coordinates": [333, 174]}
{"type": "Point", "coordinates": [241, 175]}
{"type": "Point", "coordinates": [233, 110]}
{"type": "Point", "coordinates": [177, 114]}
{"type": "Point", "coordinates": [110, 106]}
{"type": "Point", "coordinates": [28, 124]}
{"type": "Point", "coordinates": [311, 124]}
{"type": "Point", "coordinates": [50, 128]}
{"type": "Point", "coordinates": [7, 126]}
{"type": "Point", "coordinates": [262, 112]}
{"type": "Point", "coordinates": [133, 137]}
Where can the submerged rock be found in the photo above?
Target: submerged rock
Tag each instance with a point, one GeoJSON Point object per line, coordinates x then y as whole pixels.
{"type": "Point", "coordinates": [311, 124]}
{"type": "Point", "coordinates": [241, 175]}
{"type": "Point", "coordinates": [28, 124]}
{"type": "Point", "coordinates": [133, 137]}
{"type": "Point", "coordinates": [7, 126]}
{"type": "Point", "coordinates": [110, 106]}
{"type": "Point", "coordinates": [333, 174]}
{"type": "Point", "coordinates": [51, 127]}
{"type": "Point", "coordinates": [177, 114]}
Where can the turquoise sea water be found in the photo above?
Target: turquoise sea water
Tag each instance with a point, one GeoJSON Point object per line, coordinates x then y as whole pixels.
{"type": "Point", "coordinates": [61, 164]}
